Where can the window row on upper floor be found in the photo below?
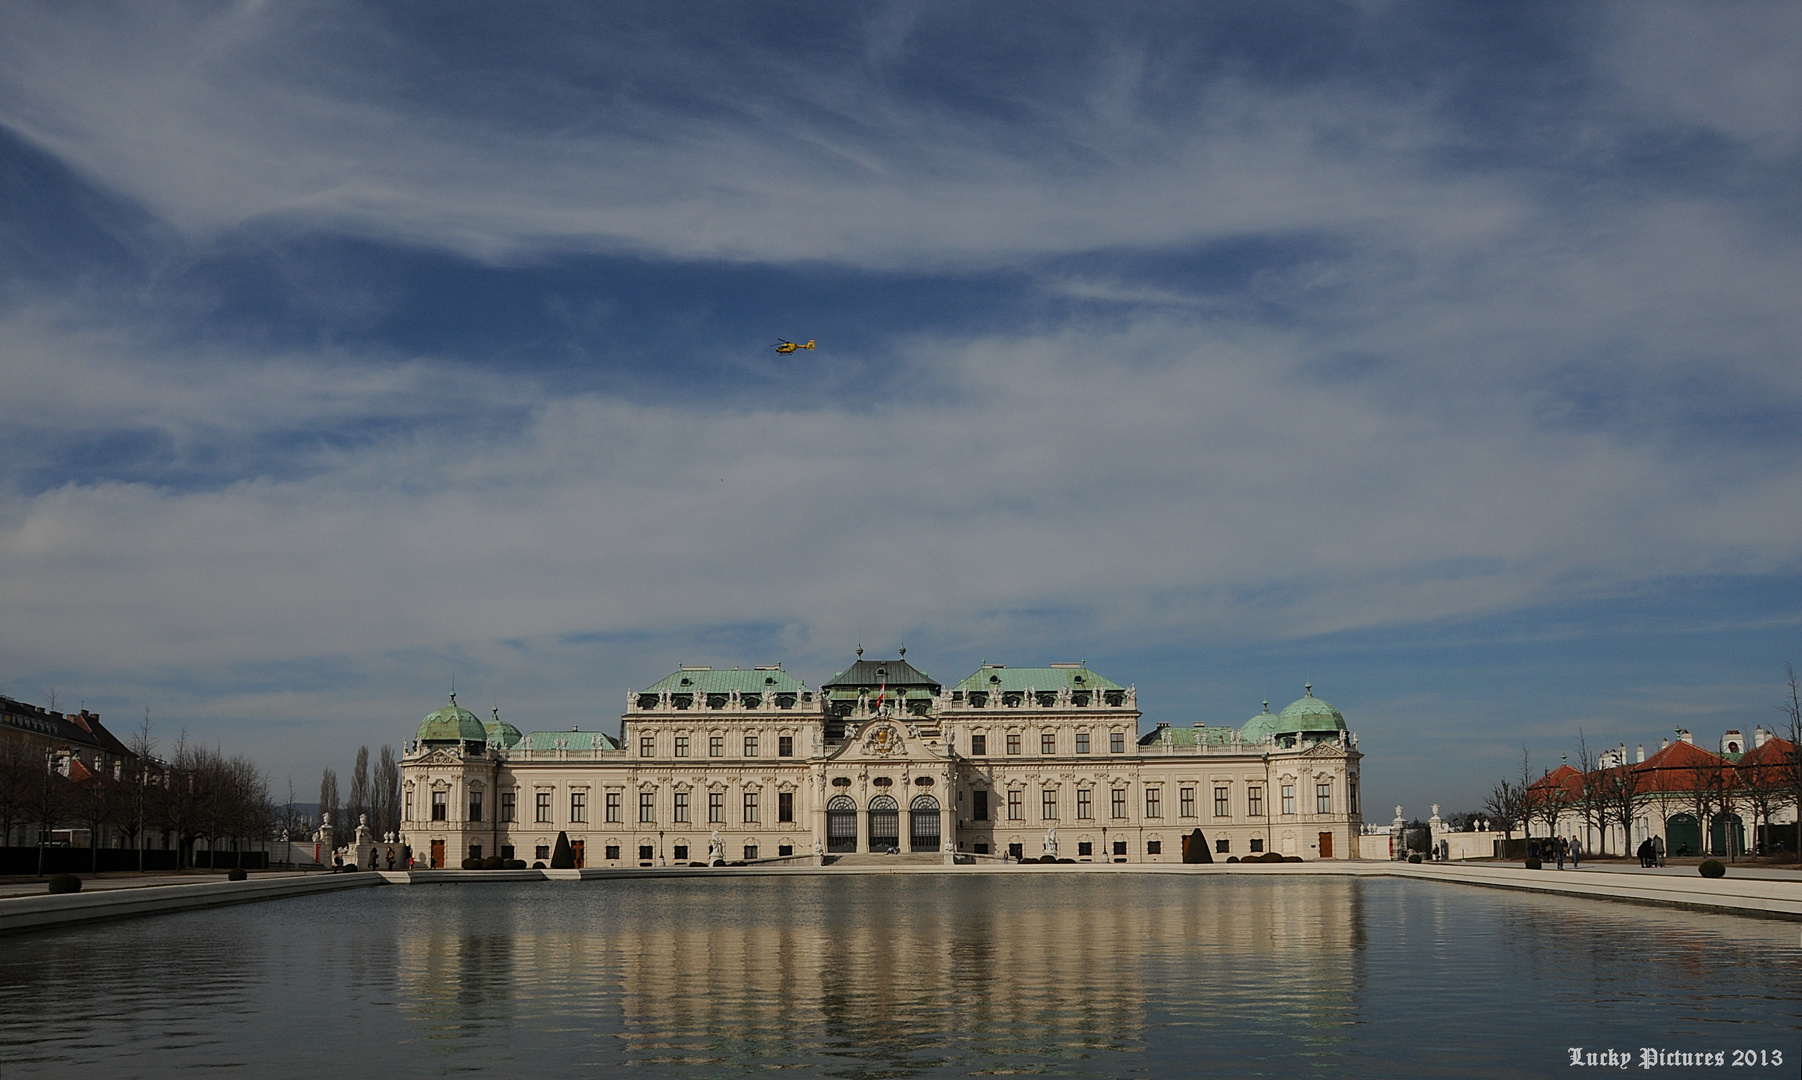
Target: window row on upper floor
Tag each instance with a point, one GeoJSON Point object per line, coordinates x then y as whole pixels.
{"type": "Point", "coordinates": [714, 744]}
{"type": "Point", "coordinates": [1048, 743]}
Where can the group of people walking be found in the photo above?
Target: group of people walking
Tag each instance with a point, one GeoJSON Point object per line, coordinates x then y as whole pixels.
{"type": "Point", "coordinates": [1651, 851]}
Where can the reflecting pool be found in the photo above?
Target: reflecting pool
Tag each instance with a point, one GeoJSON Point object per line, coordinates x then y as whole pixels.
{"type": "Point", "coordinates": [945, 975]}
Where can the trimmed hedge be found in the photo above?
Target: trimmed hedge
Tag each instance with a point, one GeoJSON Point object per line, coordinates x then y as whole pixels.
{"type": "Point", "coordinates": [65, 883]}
{"type": "Point", "coordinates": [236, 875]}
{"type": "Point", "coordinates": [1712, 868]}
{"type": "Point", "coordinates": [494, 862]}
{"type": "Point", "coordinates": [472, 864]}
{"type": "Point", "coordinates": [1534, 864]}
{"type": "Point", "coordinates": [1414, 857]}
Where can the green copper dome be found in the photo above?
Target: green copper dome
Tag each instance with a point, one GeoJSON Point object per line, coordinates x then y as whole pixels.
{"type": "Point", "coordinates": [1310, 713]}
{"type": "Point", "coordinates": [452, 724]}
{"type": "Point", "coordinates": [1259, 727]}
{"type": "Point", "coordinates": [501, 733]}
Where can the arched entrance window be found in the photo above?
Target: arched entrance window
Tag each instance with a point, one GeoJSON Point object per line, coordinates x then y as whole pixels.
{"type": "Point", "coordinates": [885, 823]}
{"type": "Point", "coordinates": [841, 824]}
{"type": "Point", "coordinates": [1683, 835]}
{"type": "Point", "coordinates": [925, 829]}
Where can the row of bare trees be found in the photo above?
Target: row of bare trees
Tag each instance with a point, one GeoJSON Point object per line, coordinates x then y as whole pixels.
{"type": "Point", "coordinates": [376, 795]}
{"type": "Point", "coordinates": [197, 794]}
{"type": "Point", "coordinates": [1616, 795]}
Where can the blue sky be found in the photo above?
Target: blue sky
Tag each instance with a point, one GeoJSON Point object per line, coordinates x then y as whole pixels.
{"type": "Point", "coordinates": [1445, 355]}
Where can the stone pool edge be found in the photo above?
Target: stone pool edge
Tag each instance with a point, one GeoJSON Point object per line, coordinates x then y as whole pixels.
{"type": "Point", "coordinates": [1760, 898]}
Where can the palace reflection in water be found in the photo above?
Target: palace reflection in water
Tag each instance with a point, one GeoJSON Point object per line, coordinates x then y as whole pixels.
{"type": "Point", "coordinates": [902, 968]}
{"type": "Point", "coordinates": [1077, 973]}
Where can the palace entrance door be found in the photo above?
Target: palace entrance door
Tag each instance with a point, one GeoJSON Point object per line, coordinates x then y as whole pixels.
{"type": "Point", "coordinates": [841, 824]}
{"type": "Point", "coordinates": [885, 823]}
{"type": "Point", "coordinates": [925, 828]}
{"type": "Point", "coordinates": [437, 854]}
{"type": "Point", "coordinates": [1326, 845]}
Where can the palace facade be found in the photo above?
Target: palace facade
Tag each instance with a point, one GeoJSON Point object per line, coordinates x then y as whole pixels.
{"type": "Point", "coordinates": [752, 764]}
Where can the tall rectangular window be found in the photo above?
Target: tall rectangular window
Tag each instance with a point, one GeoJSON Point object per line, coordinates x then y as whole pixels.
{"type": "Point", "coordinates": [1288, 798]}
{"type": "Point", "coordinates": [1015, 812]}
{"type": "Point", "coordinates": [1254, 800]}
{"type": "Point", "coordinates": [613, 807]}
{"type": "Point", "coordinates": [1048, 804]}
{"type": "Point", "coordinates": [1223, 801]}
{"type": "Point", "coordinates": [1154, 802]}
{"type": "Point", "coordinates": [647, 746]}
{"type": "Point", "coordinates": [979, 805]}
{"type": "Point", "coordinates": [716, 807]}
{"type": "Point", "coordinates": [578, 807]}
{"type": "Point", "coordinates": [750, 746]}
{"type": "Point", "coordinates": [1047, 743]}
{"type": "Point", "coordinates": [440, 805]}
{"type": "Point", "coordinates": [716, 746]}
{"type": "Point", "coordinates": [979, 745]}
{"type": "Point", "coordinates": [509, 810]}
{"type": "Point", "coordinates": [1013, 742]}
{"type": "Point", "coordinates": [1082, 742]}
{"type": "Point", "coordinates": [1185, 801]}
{"type": "Point", "coordinates": [543, 800]}
{"type": "Point", "coordinates": [681, 746]}
{"type": "Point", "coordinates": [1323, 798]}
{"type": "Point", "coordinates": [785, 746]}
{"type": "Point", "coordinates": [1351, 796]}
{"type": "Point", "coordinates": [679, 812]}
{"type": "Point", "coordinates": [1085, 803]}
{"type": "Point", "coordinates": [406, 813]}
{"type": "Point", "coordinates": [1119, 803]}
{"type": "Point", "coordinates": [1116, 742]}
{"type": "Point", "coordinates": [785, 806]}
{"type": "Point", "coordinates": [647, 807]}
{"type": "Point", "coordinates": [750, 807]}
{"type": "Point", "coordinates": [475, 806]}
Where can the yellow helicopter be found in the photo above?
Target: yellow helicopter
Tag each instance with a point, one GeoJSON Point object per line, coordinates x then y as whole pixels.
{"type": "Point", "coordinates": [785, 346]}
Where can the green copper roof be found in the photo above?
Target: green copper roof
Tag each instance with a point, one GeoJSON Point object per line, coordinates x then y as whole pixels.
{"type": "Point", "coordinates": [583, 741]}
{"type": "Point", "coordinates": [452, 723]}
{"type": "Point", "coordinates": [899, 676]}
{"type": "Point", "coordinates": [1259, 727]}
{"type": "Point", "coordinates": [697, 680]}
{"type": "Point", "coordinates": [1309, 713]}
{"type": "Point", "coordinates": [999, 679]}
{"type": "Point", "coordinates": [1196, 735]}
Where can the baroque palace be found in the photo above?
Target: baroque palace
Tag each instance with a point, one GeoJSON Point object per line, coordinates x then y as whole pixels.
{"type": "Point", "coordinates": [751, 764]}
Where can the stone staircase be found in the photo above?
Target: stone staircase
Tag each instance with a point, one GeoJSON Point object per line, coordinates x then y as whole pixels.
{"type": "Point", "coordinates": [911, 858]}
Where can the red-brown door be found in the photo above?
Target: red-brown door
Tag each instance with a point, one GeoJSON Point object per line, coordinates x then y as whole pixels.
{"type": "Point", "coordinates": [580, 847]}
{"type": "Point", "coordinates": [1326, 845]}
{"type": "Point", "coordinates": [437, 854]}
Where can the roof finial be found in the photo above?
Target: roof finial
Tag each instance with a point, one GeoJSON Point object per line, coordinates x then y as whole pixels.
{"type": "Point", "coordinates": [903, 652]}
{"type": "Point", "coordinates": [1309, 688]}
{"type": "Point", "coordinates": [860, 650]}
{"type": "Point", "coordinates": [1266, 704]}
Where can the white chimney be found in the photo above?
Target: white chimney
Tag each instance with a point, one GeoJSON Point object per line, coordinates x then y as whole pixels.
{"type": "Point", "coordinates": [1732, 742]}
{"type": "Point", "coordinates": [1759, 735]}
{"type": "Point", "coordinates": [1662, 743]}
{"type": "Point", "coordinates": [1683, 735]}
{"type": "Point", "coordinates": [1640, 757]}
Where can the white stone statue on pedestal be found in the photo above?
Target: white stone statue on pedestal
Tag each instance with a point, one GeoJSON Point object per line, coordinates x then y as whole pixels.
{"type": "Point", "coordinates": [716, 848]}
{"type": "Point", "coordinates": [1051, 842]}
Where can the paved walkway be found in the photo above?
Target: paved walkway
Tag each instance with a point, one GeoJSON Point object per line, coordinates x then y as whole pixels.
{"type": "Point", "coordinates": [36, 886]}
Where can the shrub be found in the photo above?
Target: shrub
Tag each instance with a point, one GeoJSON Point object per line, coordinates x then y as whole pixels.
{"type": "Point", "coordinates": [719, 862]}
{"type": "Point", "coordinates": [1067, 860]}
{"type": "Point", "coordinates": [1712, 868]}
{"type": "Point", "coordinates": [515, 864]}
{"type": "Point", "coordinates": [472, 864]}
{"type": "Point", "coordinates": [1232, 858]}
{"type": "Point", "coordinates": [1414, 857]}
{"type": "Point", "coordinates": [236, 875]}
{"type": "Point", "coordinates": [563, 857]}
{"type": "Point", "coordinates": [1533, 864]}
{"type": "Point", "coordinates": [538, 866]}
{"type": "Point", "coordinates": [65, 883]}
{"type": "Point", "coordinates": [1292, 858]}
{"type": "Point", "coordinates": [494, 862]}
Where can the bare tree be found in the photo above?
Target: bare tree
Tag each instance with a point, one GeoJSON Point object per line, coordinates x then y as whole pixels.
{"type": "Point", "coordinates": [1792, 761]}
{"type": "Point", "coordinates": [20, 764]}
{"type": "Point", "coordinates": [387, 792]}
{"type": "Point", "coordinates": [359, 789]}
{"type": "Point", "coordinates": [328, 799]}
{"type": "Point", "coordinates": [1591, 805]}
{"type": "Point", "coordinates": [49, 801]}
{"type": "Point", "coordinates": [1617, 791]}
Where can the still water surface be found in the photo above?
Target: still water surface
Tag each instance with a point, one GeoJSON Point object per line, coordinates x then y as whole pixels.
{"type": "Point", "coordinates": [922, 976]}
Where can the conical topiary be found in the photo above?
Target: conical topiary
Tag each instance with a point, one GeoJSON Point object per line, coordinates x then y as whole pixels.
{"type": "Point", "coordinates": [563, 857]}
{"type": "Point", "coordinates": [1195, 848]}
